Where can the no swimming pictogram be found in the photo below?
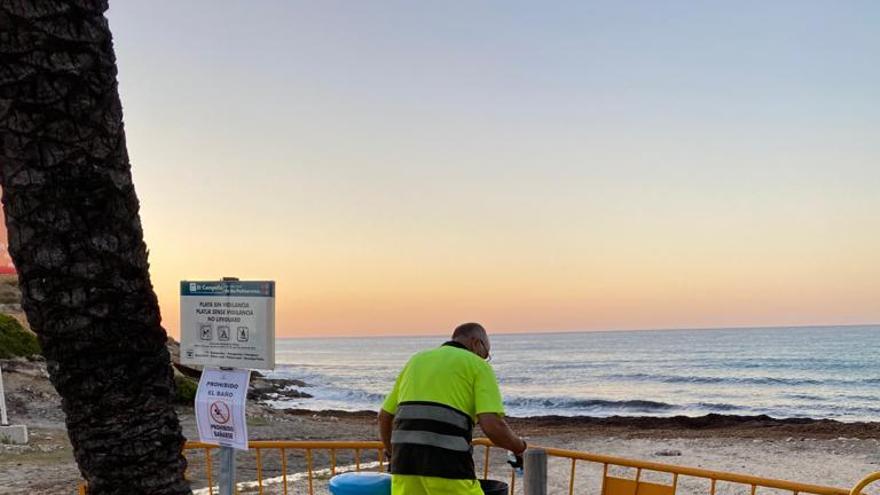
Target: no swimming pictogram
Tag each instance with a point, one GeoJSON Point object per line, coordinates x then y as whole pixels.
{"type": "Point", "coordinates": [219, 412]}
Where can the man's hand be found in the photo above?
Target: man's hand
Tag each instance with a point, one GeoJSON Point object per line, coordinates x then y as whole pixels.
{"type": "Point", "coordinates": [515, 460]}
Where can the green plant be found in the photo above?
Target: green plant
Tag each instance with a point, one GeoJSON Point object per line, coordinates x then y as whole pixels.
{"type": "Point", "coordinates": [185, 389]}
{"type": "Point", "coordinates": [15, 340]}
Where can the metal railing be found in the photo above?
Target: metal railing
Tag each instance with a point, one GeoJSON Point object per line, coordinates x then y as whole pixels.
{"type": "Point", "coordinates": [861, 485]}
{"type": "Point", "coordinates": [611, 483]}
{"type": "Point", "coordinates": [308, 448]}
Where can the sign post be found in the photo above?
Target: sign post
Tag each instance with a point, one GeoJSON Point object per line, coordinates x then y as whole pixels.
{"type": "Point", "coordinates": [3, 420]}
{"type": "Point", "coordinates": [228, 326]}
{"type": "Point", "coordinates": [221, 419]}
{"type": "Point", "coordinates": [227, 471]}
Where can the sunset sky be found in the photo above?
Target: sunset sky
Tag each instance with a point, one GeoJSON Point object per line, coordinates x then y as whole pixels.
{"type": "Point", "coordinates": [401, 167]}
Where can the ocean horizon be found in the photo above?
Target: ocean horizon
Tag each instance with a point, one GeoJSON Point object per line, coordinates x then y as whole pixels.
{"type": "Point", "coordinates": [820, 372]}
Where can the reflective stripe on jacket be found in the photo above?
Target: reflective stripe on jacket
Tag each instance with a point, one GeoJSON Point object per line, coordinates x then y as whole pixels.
{"type": "Point", "coordinates": [432, 439]}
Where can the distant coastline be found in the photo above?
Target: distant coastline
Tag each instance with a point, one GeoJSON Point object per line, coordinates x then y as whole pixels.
{"type": "Point", "coordinates": [502, 333]}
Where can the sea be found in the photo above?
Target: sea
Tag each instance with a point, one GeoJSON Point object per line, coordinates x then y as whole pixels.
{"type": "Point", "coordinates": [802, 372]}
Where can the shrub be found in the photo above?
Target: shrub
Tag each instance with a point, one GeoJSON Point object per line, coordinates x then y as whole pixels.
{"type": "Point", "coordinates": [15, 340]}
{"type": "Point", "coordinates": [185, 389]}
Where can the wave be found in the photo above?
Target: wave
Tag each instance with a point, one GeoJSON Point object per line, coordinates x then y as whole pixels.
{"type": "Point", "coordinates": [871, 398]}
{"type": "Point", "coordinates": [736, 380]}
{"type": "Point", "coordinates": [810, 397]}
{"type": "Point", "coordinates": [355, 396]}
{"type": "Point", "coordinates": [576, 366]}
{"type": "Point", "coordinates": [719, 406]}
{"type": "Point", "coordinates": [359, 400]}
{"type": "Point", "coordinates": [565, 403]}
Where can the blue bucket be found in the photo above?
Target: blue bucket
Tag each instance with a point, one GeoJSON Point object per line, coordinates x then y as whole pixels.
{"type": "Point", "coordinates": [365, 483]}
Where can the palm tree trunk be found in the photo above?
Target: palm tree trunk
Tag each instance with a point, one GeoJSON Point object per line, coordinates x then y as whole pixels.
{"type": "Point", "coordinates": [76, 240]}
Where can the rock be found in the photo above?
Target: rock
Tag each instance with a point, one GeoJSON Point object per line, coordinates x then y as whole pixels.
{"type": "Point", "coordinates": [265, 389]}
{"type": "Point", "coordinates": [36, 369]}
{"type": "Point", "coordinates": [14, 434]}
{"type": "Point", "coordinates": [174, 349]}
{"type": "Point", "coordinates": [261, 388]}
{"type": "Point", "coordinates": [188, 371]}
{"type": "Point", "coordinates": [668, 453]}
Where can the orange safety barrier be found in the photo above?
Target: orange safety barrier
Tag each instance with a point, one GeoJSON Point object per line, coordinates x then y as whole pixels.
{"type": "Point", "coordinates": [611, 484]}
{"type": "Point", "coordinates": [861, 485]}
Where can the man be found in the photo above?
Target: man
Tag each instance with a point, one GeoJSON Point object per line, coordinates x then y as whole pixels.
{"type": "Point", "coordinates": [427, 420]}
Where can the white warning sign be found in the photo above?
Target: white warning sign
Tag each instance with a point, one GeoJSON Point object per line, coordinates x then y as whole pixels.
{"type": "Point", "coordinates": [220, 407]}
{"type": "Point", "coordinates": [228, 324]}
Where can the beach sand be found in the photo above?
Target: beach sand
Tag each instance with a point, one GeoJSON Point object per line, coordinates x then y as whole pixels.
{"type": "Point", "coordinates": [819, 452]}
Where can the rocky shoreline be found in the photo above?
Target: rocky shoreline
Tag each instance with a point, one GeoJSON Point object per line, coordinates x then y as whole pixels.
{"type": "Point", "coordinates": [31, 396]}
{"type": "Point", "coordinates": [264, 389]}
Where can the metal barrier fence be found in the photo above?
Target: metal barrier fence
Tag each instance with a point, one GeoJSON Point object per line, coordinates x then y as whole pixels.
{"type": "Point", "coordinates": [611, 483]}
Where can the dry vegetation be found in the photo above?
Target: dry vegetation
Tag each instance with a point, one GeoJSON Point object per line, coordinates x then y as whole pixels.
{"type": "Point", "coordinates": [9, 293]}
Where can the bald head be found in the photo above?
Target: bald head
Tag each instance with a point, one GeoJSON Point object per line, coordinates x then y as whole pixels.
{"type": "Point", "coordinates": [474, 337]}
{"type": "Point", "coordinates": [467, 330]}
